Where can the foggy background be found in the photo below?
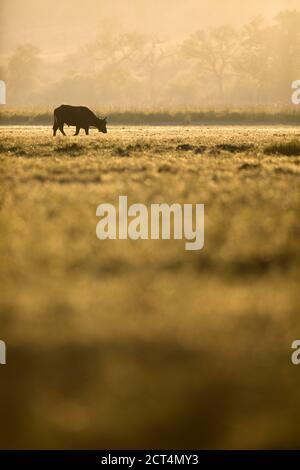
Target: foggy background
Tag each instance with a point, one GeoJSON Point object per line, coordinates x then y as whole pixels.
{"type": "Point", "coordinates": [138, 54]}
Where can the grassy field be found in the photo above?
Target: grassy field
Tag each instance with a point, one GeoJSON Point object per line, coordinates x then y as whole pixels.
{"type": "Point", "coordinates": [288, 115]}
{"type": "Point", "coordinates": [128, 344]}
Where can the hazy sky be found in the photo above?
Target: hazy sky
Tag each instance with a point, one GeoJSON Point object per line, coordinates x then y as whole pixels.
{"type": "Point", "coordinates": [60, 26]}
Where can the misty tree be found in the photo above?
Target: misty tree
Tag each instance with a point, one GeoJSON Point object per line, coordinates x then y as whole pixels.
{"type": "Point", "coordinates": [253, 63]}
{"type": "Point", "coordinates": [22, 74]}
{"type": "Point", "coordinates": [112, 63]}
{"type": "Point", "coordinates": [286, 52]}
{"type": "Point", "coordinates": [112, 50]}
{"type": "Point", "coordinates": [212, 53]}
{"type": "Point", "coordinates": [154, 55]}
{"type": "Point", "coordinates": [269, 58]}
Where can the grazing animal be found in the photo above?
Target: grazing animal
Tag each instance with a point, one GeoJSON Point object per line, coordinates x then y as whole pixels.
{"type": "Point", "coordinates": [79, 116]}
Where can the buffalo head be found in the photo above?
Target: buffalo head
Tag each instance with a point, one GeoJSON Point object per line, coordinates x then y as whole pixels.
{"type": "Point", "coordinates": [101, 125]}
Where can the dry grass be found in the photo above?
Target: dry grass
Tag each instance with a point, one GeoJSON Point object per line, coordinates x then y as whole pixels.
{"type": "Point", "coordinates": [290, 148]}
{"type": "Point", "coordinates": [260, 115]}
{"type": "Point", "coordinates": [140, 343]}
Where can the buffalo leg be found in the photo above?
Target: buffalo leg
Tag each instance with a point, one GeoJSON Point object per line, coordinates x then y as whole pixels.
{"type": "Point", "coordinates": [87, 130]}
{"type": "Point", "coordinates": [55, 127]}
{"type": "Point", "coordinates": [77, 130]}
{"type": "Point", "coordinates": [61, 128]}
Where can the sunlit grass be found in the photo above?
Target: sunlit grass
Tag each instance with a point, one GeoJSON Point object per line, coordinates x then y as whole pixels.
{"type": "Point", "coordinates": [140, 343]}
{"type": "Point", "coordinates": [284, 148]}
{"type": "Point", "coordinates": [256, 115]}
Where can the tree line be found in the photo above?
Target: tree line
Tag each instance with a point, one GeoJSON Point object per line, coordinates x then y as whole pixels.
{"type": "Point", "coordinates": [218, 66]}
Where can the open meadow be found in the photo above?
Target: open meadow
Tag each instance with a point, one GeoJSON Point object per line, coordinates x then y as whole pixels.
{"type": "Point", "coordinates": [132, 344]}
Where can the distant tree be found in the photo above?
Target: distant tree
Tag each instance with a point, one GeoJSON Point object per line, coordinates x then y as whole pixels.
{"type": "Point", "coordinates": [22, 74]}
{"type": "Point", "coordinates": [213, 52]}
{"type": "Point", "coordinates": [111, 66]}
{"type": "Point", "coordinates": [286, 52]}
{"type": "Point", "coordinates": [110, 50]}
{"type": "Point", "coordinates": [154, 56]}
{"type": "Point", "coordinates": [254, 61]}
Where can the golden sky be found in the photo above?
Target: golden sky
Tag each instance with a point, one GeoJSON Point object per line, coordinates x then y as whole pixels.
{"type": "Point", "coordinates": [63, 25]}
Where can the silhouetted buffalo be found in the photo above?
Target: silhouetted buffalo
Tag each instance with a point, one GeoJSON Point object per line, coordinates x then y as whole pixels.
{"type": "Point", "coordinates": [79, 116]}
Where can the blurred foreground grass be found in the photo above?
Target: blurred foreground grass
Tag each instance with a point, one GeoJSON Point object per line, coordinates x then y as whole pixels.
{"type": "Point", "coordinates": [128, 344]}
